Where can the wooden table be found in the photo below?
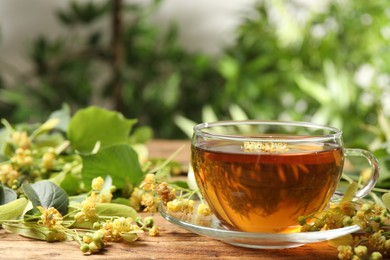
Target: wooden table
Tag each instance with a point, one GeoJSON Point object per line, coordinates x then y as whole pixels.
{"type": "Point", "coordinates": [173, 242]}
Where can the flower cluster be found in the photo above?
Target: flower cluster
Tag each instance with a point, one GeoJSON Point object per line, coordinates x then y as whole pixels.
{"type": "Point", "coordinates": [151, 193]}
{"type": "Point", "coordinates": [21, 139]}
{"type": "Point", "coordinates": [370, 217]}
{"type": "Point", "coordinates": [185, 206]}
{"type": "Point", "coordinates": [116, 230]}
{"type": "Point", "coordinates": [52, 220]}
{"type": "Point", "coordinates": [9, 175]}
{"type": "Point", "coordinates": [176, 199]}
{"type": "Point", "coordinates": [357, 253]}
{"type": "Point", "coordinates": [97, 195]}
{"type": "Point", "coordinates": [27, 159]}
{"type": "Point", "coordinates": [268, 147]}
{"type": "Point", "coordinates": [109, 229]}
{"type": "Point", "coordinates": [21, 159]}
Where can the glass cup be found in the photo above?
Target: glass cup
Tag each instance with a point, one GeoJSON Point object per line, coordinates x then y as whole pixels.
{"type": "Point", "coordinates": [260, 176]}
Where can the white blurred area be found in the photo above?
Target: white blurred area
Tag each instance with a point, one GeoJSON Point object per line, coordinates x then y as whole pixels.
{"type": "Point", "coordinates": [204, 25]}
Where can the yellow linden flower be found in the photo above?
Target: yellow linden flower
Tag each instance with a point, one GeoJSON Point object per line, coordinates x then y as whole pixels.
{"type": "Point", "coordinates": [267, 147]}
{"type": "Point", "coordinates": [50, 218]}
{"type": "Point", "coordinates": [181, 205]}
{"type": "Point", "coordinates": [97, 183]}
{"type": "Point", "coordinates": [21, 139]}
{"type": "Point", "coordinates": [48, 160]}
{"type": "Point", "coordinates": [8, 175]}
{"type": "Point", "coordinates": [136, 197]}
{"type": "Point", "coordinates": [150, 202]}
{"type": "Point", "coordinates": [22, 157]}
{"type": "Point", "coordinates": [105, 196]}
{"type": "Point", "coordinates": [165, 193]}
{"type": "Point", "coordinates": [149, 182]}
{"type": "Point", "coordinates": [89, 209]}
{"type": "Point", "coordinates": [119, 229]}
{"type": "Point", "coordinates": [204, 209]}
{"type": "Point", "coordinates": [122, 224]}
{"type": "Point", "coordinates": [154, 231]}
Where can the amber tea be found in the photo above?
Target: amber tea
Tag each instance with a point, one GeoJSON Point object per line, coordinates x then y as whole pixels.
{"type": "Point", "coordinates": [265, 186]}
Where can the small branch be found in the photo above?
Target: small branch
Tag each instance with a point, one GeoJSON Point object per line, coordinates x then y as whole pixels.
{"type": "Point", "coordinates": [118, 54]}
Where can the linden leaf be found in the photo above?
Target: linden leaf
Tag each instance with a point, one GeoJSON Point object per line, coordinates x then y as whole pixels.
{"type": "Point", "coordinates": [46, 194]}
{"type": "Point", "coordinates": [386, 200]}
{"type": "Point", "coordinates": [13, 209]}
{"type": "Point", "coordinates": [92, 125]}
{"type": "Point", "coordinates": [118, 210]}
{"type": "Point", "coordinates": [50, 124]}
{"type": "Point", "coordinates": [7, 195]}
{"type": "Point", "coordinates": [341, 241]}
{"type": "Point", "coordinates": [63, 115]}
{"type": "Point", "coordinates": [118, 161]}
{"type": "Point", "coordinates": [25, 231]}
{"type": "Point", "coordinates": [31, 231]}
{"type": "Point", "coordinates": [350, 193]}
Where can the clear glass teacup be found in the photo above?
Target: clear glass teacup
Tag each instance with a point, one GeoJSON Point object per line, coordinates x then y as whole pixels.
{"type": "Point", "coordinates": [261, 176]}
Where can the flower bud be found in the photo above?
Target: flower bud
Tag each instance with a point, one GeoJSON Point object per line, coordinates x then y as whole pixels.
{"type": "Point", "coordinates": [376, 256]}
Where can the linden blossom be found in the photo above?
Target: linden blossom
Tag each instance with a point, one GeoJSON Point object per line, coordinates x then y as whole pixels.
{"type": "Point", "coordinates": [268, 147]}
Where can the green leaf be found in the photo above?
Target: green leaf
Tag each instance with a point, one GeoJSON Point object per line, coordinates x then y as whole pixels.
{"type": "Point", "coordinates": [49, 125]}
{"type": "Point", "coordinates": [108, 210]}
{"type": "Point", "coordinates": [122, 201]}
{"type": "Point", "coordinates": [69, 182]}
{"type": "Point", "coordinates": [63, 115]}
{"type": "Point", "coordinates": [91, 125]}
{"type": "Point", "coordinates": [46, 194]}
{"type": "Point", "coordinates": [118, 161]}
{"type": "Point", "coordinates": [181, 184]}
{"type": "Point", "coordinates": [208, 114]}
{"type": "Point", "coordinates": [314, 89]}
{"type": "Point", "coordinates": [186, 125]}
{"type": "Point", "coordinates": [229, 68]}
{"type": "Point", "coordinates": [115, 210]}
{"type": "Point", "coordinates": [141, 134]}
{"type": "Point", "coordinates": [13, 209]}
{"type": "Point", "coordinates": [7, 195]}
{"type": "Point", "coordinates": [351, 192]}
{"type": "Point", "coordinates": [386, 200]}
{"type": "Point", "coordinates": [31, 231]}
{"type": "Point", "coordinates": [25, 231]}
{"type": "Point", "coordinates": [341, 241]}
{"type": "Point", "coordinates": [237, 113]}
{"type": "Point", "coordinates": [142, 151]}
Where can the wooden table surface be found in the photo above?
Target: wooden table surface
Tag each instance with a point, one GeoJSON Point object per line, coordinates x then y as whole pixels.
{"type": "Point", "coordinates": [173, 242]}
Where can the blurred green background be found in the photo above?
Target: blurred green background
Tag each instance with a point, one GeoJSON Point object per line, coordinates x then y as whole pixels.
{"type": "Point", "coordinates": [329, 66]}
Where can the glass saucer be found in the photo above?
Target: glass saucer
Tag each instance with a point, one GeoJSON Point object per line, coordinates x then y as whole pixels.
{"type": "Point", "coordinates": [211, 227]}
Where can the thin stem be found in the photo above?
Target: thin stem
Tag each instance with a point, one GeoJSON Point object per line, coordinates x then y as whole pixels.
{"type": "Point", "coordinates": [170, 158]}
{"type": "Point", "coordinates": [118, 53]}
{"type": "Point", "coordinates": [7, 125]}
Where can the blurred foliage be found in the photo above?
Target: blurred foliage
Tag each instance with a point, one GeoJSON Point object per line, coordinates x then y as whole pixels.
{"type": "Point", "coordinates": [332, 68]}
{"type": "Point", "coordinates": [329, 65]}
{"type": "Point", "coordinates": [287, 70]}
{"type": "Point", "coordinates": [158, 76]}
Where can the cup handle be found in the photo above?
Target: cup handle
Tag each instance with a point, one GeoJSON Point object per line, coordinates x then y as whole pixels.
{"type": "Point", "coordinates": [373, 162]}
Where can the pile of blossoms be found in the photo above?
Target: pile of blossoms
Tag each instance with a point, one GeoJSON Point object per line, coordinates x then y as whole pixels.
{"type": "Point", "coordinates": [372, 218]}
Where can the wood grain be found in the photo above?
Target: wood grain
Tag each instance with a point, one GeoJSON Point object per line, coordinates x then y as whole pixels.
{"type": "Point", "coordinates": [173, 242]}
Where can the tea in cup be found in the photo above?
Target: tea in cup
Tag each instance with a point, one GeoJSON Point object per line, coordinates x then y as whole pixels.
{"type": "Point", "coordinates": [261, 176]}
